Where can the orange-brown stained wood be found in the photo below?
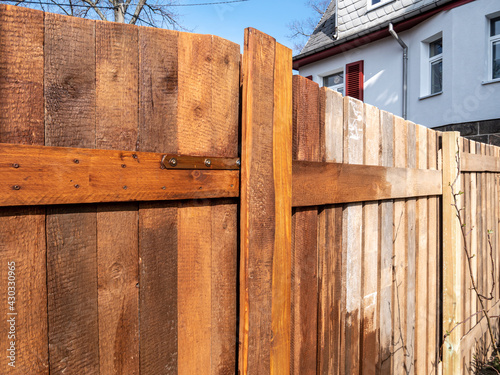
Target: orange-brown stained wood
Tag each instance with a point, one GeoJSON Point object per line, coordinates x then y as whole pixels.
{"type": "Point", "coordinates": [68, 175]}
{"type": "Point", "coordinates": [308, 128]}
{"type": "Point", "coordinates": [22, 230]}
{"type": "Point", "coordinates": [316, 183]}
{"type": "Point", "coordinates": [71, 231]}
{"type": "Point", "coordinates": [263, 236]}
{"type": "Point", "coordinates": [158, 222]}
{"type": "Point", "coordinates": [117, 65]}
{"type": "Point", "coordinates": [282, 170]}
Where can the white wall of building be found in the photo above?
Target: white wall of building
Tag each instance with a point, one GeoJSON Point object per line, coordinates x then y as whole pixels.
{"type": "Point", "coordinates": [465, 97]}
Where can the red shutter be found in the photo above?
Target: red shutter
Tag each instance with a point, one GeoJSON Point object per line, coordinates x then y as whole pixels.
{"type": "Point", "coordinates": [310, 77]}
{"type": "Point", "coordinates": [354, 80]}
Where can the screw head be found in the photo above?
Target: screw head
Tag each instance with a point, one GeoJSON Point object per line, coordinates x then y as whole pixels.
{"type": "Point", "coordinates": [238, 162]}
{"type": "Point", "coordinates": [15, 165]}
{"type": "Point", "coordinates": [172, 162]}
{"type": "Point", "coordinates": [16, 187]}
{"type": "Point", "coordinates": [124, 166]}
{"type": "Point", "coordinates": [76, 161]}
{"type": "Point", "coordinates": [208, 162]}
{"type": "Point", "coordinates": [77, 186]}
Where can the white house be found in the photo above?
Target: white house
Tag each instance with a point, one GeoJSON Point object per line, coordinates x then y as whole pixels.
{"type": "Point", "coordinates": [451, 78]}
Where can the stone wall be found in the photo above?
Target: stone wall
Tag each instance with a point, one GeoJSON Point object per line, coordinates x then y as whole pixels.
{"type": "Point", "coordinates": [480, 131]}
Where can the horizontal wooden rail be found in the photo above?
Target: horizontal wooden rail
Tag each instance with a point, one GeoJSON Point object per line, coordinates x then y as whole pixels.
{"type": "Point", "coordinates": [479, 163]}
{"type": "Point", "coordinates": [317, 183]}
{"type": "Point", "coordinates": [40, 175]}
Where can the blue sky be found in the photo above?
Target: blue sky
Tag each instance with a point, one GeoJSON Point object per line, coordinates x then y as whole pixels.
{"type": "Point", "coordinates": [230, 20]}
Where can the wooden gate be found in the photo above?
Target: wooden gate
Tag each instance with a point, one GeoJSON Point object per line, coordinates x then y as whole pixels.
{"type": "Point", "coordinates": [122, 196]}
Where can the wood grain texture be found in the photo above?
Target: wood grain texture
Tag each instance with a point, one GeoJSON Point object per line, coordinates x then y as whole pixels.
{"type": "Point", "coordinates": [352, 237]}
{"type": "Point", "coordinates": [370, 252]}
{"type": "Point", "coordinates": [22, 237]}
{"type": "Point", "coordinates": [470, 162]}
{"type": "Point", "coordinates": [400, 225]}
{"type": "Point", "coordinates": [386, 215]}
{"type": "Point", "coordinates": [117, 100]}
{"type": "Point", "coordinates": [316, 183]}
{"type": "Point", "coordinates": [282, 175]}
{"type": "Point", "coordinates": [259, 234]}
{"type": "Point", "coordinates": [71, 231]}
{"type": "Point", "coordinates": [71, 175]}
{"type": "Point", "coordinates": [307, 136]}
{"type": "Point", "coordinates": [452, 269]}
{"type": "Point", "coordinates": [330, 316]}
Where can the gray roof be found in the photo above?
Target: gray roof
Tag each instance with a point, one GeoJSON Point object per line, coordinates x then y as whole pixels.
{"type": "Point", "coordinates": [355, 20]}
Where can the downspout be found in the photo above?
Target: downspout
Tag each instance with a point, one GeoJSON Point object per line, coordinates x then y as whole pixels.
{"type": "Point", "coordinates": [405, 70]}
{"type": "Point", "coordinates": [336, 33]}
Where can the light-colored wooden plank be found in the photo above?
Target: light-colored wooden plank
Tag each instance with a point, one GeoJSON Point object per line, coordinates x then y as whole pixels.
{"type": "Point", "coordinates": [386, 250]}
{"type": "Point", "coordinates": [370, 255]}
{"type": "Point", "coordinates": [316, 183]}
{"type": "Point", "coordinates": [282, 170]}
{"type": "Point", "coordinates": [479, 163]}
{"type": "Point", "coordinates": [411, 248]}
{"type": "Point", "coordinates": [400, 349]}
{"type": "Point", "coordinates": [452, 258]}
{"type": "Point", "coordinates": [473, 234]}
{"type": "Point", "coordinates": [422, 253]}
{"type": "Point", "coordinates": [70, 175]}
{"type": "Point", "coordinates": [22, 230]}
{"type": "Point", "coordinates": [352, 237]}
{"type": "Point", "coordinates": [433, 308]}
{"type": "Point", "coordinates": [330, 248]}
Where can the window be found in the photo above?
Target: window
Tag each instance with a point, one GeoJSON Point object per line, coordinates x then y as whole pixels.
{"type": "Point", "coordinates": [372, 4]}
{"type": "Point", "coordinates": [335, 82]}
{"type": "Point", "coordinates": [494, 60]}
{"type": "Point", "coordinates": [354, 83]}
{"type": "Point", "coordinates": [436, 66]}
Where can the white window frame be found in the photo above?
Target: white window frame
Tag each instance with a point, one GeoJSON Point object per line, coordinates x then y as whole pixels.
{"type": "Point", "coordinates": [370, 6]}
{"type": "Point", "coordinates": [335, 87]}
{"type": "Point", "coordinates": [491, 40]}
{"type": "Point", "coordinates": [425, 66]}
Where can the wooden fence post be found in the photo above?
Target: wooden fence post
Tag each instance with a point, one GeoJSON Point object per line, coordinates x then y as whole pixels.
{"type": "Point", "coordinates": [452, 257]}
{"type": "Point", "coordinates": [266, 206]}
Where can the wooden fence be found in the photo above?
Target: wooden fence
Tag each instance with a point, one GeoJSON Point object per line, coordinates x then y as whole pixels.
{"type": "Point", "coordinates": [121, 193]}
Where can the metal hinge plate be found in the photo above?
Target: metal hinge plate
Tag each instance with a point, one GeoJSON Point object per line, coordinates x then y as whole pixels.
{"type": "Point", "coordinates": [173, 161]}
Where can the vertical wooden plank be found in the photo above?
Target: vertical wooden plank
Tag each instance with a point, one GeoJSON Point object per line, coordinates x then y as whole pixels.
{"type": "Point", "coordinates": [71, 231]}
{"type": "Point", "coordinates": [386, 250]}
{"type": "Point", "coordinates": [466, 285]}
{"type": "Point", "coordinates": [330, 248]}
{"type": "Point", "coordinates": [370, 255]}
{"type": "Point", "coordinates": [261, 239]}
{"type": "Point", "coordinates": [117, 65]}
{"type": "Point", "coordinates": [22, 233]}
{"type": "Point", "coordinates": [473, 234]}
{"type": "Point", "coordinates": [306, 146]}
{"type": "Point", "coordinates": [433, 227]}
{"type": "Point", "coordinates": [282, 173]}
{"type": "Point", "coordinates": [452, 250]}
{"type": "Point", "coordinates": [400, 253]}
{"type": "Point", "coordinates": [352, 236]}
{"type": "Point", "coordinates": [158, 237]}
{"type": "Point", "coordinates": [225, 140]}
{"type": "Point", "coordinates": [484, 230]}
{"type": "Point", "coordinates": [422, 253]}
{"type": "Point", "coordinates": [411, 255]}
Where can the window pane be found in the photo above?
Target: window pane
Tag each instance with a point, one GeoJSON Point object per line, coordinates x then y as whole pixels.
{"type": "Point", "coordinates": [495, 26]}
{"type": "Point", "coordinates": [436, 48]}
{"type": "Point", "coordinates": [334, 79]}
{"type": "Point", "coordinates": [375, 2]}
{"type": "Point", "coordinates": [496, 60]}
{"type": "Point", "coordinates": [437, 77]}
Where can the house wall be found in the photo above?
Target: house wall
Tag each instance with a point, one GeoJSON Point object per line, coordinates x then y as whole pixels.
{"type": "Point", "coordinates": [465, 97]}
